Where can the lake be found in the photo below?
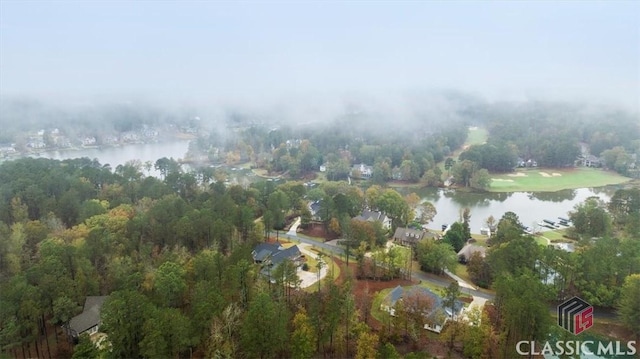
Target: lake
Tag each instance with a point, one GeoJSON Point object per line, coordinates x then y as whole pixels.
{"type": "Point", "coordinates": [531, 207]}
{"type": "Point", "coordinates": [119, 155]}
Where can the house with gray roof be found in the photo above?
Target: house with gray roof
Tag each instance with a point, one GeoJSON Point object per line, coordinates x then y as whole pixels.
{"type": "Point", "coordinates": [374, 216]}
{"type": "Point", "coordinates": [89, 320]}
{"type": "Point", "coordinates": [435, 313]}
{"type": "Point", "coordinates": [271, 255]}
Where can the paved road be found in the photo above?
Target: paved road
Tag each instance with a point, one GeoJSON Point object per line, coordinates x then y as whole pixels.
{"type": "Point", "coordinates": [439, 281]}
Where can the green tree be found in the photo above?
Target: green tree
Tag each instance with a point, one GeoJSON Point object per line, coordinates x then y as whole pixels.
{"type": "Point", "coordinates": [448, 164]}
{"type": "Point", "coordinates": [166, 333]}
{"type": "Point", "coordinates": [591, 218]}
{"type": "Point", "coordinates": [388, 351]}
{"type": "Point", "coordinates": [367, 345]}
{"type": "Point", "coordinates": [521, 301]}
{"type": "Point", "coordinates": [436, 257]}
{"type": "Point", "coordinates": [303, 338]}
{"type": "Point", "coordinates": [170, 283]}
{"type": "Point", "coordinates": [394, 205]}
{"type": "Point", "coordinates": [481, 179]}
{"type": "Point", "coordinates": [509, 227]}
{"type": "Point", "coordinates": [451, 294]}
{"type": "Point", "coordinates": [85, 349]}
{"type": "Point", "coordinates": [456, 236]}
{"type": "Point", "coordinates": [463, 171]}
{"type": "Point", "coordinates": [123, 317]}
{"type": "Point", "coordinates": [264, 328]}
{"type": "Point", "coordinates": [629, 305]}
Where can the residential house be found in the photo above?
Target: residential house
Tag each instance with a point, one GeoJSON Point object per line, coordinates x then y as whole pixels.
{"type": "Point", "coordinates": [410, 237]}
{"type": "Point", "coordinates": [361, 171]}
{"type": "Point", "coordinates": [435, 313]}
{"type": "Point", "coordinates": [89, 141]}
{"type": "Point", "coordinates": [314, 208]}
{"type": "Point", "coordinates": [591, 161]}
{"type": "Point", "coordinates": [469, 249]}
{"type": "Point", "coordinates": [89, 320]}
{"type": "Point", "coordinates": [7, 150]}
{"type": "Point", "coordinates": [270, 255]}
{"type": "Point", "coordinates": [374, 216]}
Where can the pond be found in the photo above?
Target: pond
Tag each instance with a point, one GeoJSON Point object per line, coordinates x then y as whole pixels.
{"type": "Point", "coordinates": [531, 207]}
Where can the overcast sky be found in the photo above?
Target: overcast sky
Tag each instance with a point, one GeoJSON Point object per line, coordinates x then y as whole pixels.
{"type": "Point", "coordinates": [212, 50]}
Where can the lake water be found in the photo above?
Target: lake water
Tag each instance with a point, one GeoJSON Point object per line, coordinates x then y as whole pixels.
{"type": "Point", "coordinates": [115, 156]}
{"type": "Point", "coordinates": [530, 207]}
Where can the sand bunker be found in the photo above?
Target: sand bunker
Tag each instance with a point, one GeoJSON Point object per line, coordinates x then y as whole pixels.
{"type": "Point", "coordinates": [555, 174]}
{"type": "Point", "coordinates": [544, 174]}
{"type": "Point", "coordinates": [519, 174]}
{"type": "Point", "coordinates": [501, 180]}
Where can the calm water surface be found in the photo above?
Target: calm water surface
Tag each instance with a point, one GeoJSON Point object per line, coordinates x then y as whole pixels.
{"type": "Point", "coordinates": [531, 207]}
{"type": "Point", "coordinates": [115, 156]}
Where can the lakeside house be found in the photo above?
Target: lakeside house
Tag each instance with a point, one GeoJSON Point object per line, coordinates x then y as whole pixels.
{"type": "Point", "coordinates": [374, 216]}
{"type": "Point", "coordinates": [465, 253]}
{"type": "Point", "coordinates": [410, 237]}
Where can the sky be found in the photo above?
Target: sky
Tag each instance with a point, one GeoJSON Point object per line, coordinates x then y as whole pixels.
{"type": "Point", "coordinates": [203, 51]}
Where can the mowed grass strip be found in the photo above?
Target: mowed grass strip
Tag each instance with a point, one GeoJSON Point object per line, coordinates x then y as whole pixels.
{"type": "Point", "coordinates": [551, 179]}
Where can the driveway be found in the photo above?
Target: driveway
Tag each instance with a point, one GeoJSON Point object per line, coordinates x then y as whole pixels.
{"type": "Point", "coordinates": [309, 278]}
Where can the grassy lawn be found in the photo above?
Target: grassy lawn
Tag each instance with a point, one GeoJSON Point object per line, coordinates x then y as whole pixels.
{"type": "Point", "coordinates": [332, 274]}
{"type": "Point", "coordinates": [543, 241]}
{"type": "Point", "coordinates": [475, 136]}
{"type": "Point", "coordinates": [555, 235]}
{"type": "Point", "coordinates": [461, 271]}
{"type": "Point", "coordinates": [551, 180]}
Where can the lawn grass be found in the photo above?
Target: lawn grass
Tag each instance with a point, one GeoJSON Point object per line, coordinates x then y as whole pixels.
{"type": "Point", "coordinates": [475, 136]}
{"type": "Point", "coordinates": [555, 235]}
{"type": "Point", "coordinates": [332, 274]}
{"type": "Point", "coordinates": [543, 241]}
{"type": "Point", "coordinates": [535, 180]}
{"type": "Point", "coordinates": [461, 271]}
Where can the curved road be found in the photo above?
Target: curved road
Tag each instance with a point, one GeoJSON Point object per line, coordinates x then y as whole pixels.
{"type": "Point", "coordinates": [442, 282]}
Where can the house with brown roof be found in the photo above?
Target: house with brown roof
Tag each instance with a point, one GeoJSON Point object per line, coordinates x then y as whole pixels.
{"type": "Point", "coordinates": [469, 249]}
{"type": "Point", "coordinates": [410, 237]}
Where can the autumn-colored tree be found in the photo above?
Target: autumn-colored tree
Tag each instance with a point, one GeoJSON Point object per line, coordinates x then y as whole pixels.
{"type": "Point", "coordinates": [367, 346]}
{"type": "Point", "coordinates": [303, 338]}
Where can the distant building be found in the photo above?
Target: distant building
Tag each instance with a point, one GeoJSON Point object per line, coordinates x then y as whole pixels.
{"type": "Point", "coordinates": [362, 171]}
{"type": "Point", "coordinates": [89, 141]}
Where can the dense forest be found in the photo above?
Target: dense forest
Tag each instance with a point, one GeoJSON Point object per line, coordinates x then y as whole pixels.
{"type": "Point", "coordinates": [174, 252]}
{"type": "Point", "coordinates": [174, 256]}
